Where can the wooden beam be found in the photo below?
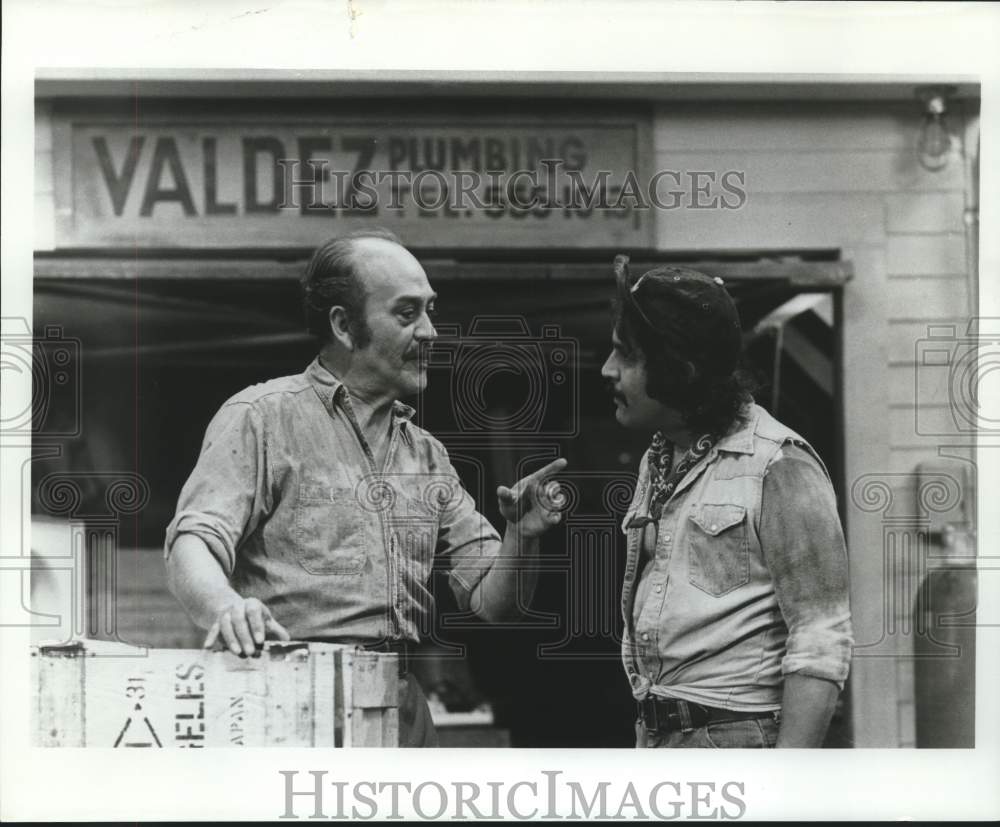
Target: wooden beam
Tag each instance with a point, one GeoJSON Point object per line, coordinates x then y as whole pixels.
{"type": "Point", "coordinates": [817, 275]}
{"type": "Point", "coordinates": [339, 84]}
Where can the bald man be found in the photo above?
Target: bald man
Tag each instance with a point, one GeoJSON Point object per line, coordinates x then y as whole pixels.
{"type": "Point", "coordinates": [316, 509]}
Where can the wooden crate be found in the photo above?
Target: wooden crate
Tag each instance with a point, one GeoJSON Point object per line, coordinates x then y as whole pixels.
{"type": "Point", "coordinates": [102, 694]}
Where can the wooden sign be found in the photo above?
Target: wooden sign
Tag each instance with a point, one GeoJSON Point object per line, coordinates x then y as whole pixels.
{"type": "Point", "coordinates": [256, 182]}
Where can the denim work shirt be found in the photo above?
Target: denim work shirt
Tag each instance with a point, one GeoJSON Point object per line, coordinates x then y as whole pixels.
{"type": "Point", "coordinates": [286, 495]}
{"type": "Point", "coordinates": [744, 578]}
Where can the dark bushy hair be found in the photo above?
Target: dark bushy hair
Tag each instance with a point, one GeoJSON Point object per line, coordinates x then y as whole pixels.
{"type": "Point", "coordinates": [708, 404]}
{"type": "Point", "coordinates": [331, 279]}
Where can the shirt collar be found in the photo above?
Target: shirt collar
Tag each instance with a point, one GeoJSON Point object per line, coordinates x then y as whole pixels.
{"type": "Point", "coordinates": [740, 439]}
{"type": "Point", "coordinates": [332, 391]}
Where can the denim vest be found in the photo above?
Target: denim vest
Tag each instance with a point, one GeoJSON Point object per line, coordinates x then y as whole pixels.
{"type": "Point", "coordinates": [710, 628]}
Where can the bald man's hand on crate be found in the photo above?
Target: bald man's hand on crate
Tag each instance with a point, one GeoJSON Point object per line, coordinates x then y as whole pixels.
{"type": "Point", "coordinates": [243, 626]}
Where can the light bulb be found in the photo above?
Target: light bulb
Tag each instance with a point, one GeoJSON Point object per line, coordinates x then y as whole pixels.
{"type": "Point", "coordinates": [934, 143]}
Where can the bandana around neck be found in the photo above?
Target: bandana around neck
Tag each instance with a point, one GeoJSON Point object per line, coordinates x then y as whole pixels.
{"type": "Point", "coordinates": [665, 475]}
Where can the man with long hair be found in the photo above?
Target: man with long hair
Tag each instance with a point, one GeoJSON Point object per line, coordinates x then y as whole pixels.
{"type": "Point", "coordinates": [735, 600]}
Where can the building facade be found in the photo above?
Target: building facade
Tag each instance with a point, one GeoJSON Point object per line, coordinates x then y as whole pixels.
{"type": "Point", "coordinates": [173, 215]}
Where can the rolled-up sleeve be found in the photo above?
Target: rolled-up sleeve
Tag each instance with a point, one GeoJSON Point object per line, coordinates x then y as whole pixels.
{"type": "Point", "coordinates": [804, 548]}
{"type": "Point", "coordinates": [466, 539]}
{"type": "Point", "coordinates": [223, 499]}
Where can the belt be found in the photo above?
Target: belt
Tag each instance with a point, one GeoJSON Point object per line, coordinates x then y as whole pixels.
{"type": "Point", "coordinates": [670, 714]}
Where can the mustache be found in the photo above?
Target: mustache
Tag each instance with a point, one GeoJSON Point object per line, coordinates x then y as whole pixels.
{"type": "Point", "coordinates": [420, 352]}
{"type": "Point", "coordinates": [613, 393]}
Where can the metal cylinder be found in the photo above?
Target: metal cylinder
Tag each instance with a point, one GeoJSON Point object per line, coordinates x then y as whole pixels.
{"type": "Point", "coordinates": [945, 651]}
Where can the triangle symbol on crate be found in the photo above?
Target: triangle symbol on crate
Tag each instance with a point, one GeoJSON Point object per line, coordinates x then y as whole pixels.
{"type": "Point", "coordinates": [140, 737]}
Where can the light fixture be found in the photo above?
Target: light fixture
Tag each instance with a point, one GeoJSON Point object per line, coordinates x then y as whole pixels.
{"type": "Point", "coordinates": [935, 142]}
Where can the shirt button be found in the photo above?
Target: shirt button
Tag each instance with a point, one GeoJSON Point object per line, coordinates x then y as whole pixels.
{"type": "Point", "coordinates": [666, 538]}
{"type": "Point", "coordinates": [715, 527]}
{"type": "Point", "coordinates": [659, 589]}
{"type": "Point", "coordinates": [645, 636]}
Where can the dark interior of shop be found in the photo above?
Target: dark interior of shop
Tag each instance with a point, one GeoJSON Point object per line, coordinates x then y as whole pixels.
{"type": "Point", "coordinates": [159, 356]}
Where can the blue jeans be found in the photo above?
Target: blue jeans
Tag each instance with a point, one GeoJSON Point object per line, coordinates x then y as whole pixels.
{"type": "Point", "coordinates": [755, 733]}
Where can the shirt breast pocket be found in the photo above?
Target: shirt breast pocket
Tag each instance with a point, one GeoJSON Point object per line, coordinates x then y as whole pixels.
{"type": "Point", "coordinates": [718, 549]}
{"type": "Point", "coordinates": [329, 531]}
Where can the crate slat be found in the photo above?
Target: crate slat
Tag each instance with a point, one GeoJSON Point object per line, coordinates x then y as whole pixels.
{"type": "Point", "coordinates": [374, 686]}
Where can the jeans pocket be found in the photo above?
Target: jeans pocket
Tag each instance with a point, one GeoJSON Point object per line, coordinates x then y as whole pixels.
{"type": "Point", "coordinates": [768, 731]}
{"type": "Point", "coordinates": [735, 735]}
{"type": "Point", "coordinates": [329, 534]}
{"type": "Point", "coordinates": [718, 550]}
